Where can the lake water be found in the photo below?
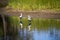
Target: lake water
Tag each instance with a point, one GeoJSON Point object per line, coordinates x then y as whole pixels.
{"type": "Point", "coordinates": [44, 32]}
{"type": "Point", "coordinates": [36, 34]}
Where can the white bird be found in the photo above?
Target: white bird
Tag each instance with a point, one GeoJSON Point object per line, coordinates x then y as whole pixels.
{"type": "Point", "coordinates": [29, 17]}
{"type": "Point", "coordinates": [21, 25]}
{"type": "Point", "coordinates": [29, 22]}
{"type": "Point", "coordinates": [21, 15]}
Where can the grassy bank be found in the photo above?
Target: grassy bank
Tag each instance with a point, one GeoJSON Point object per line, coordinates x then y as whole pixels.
{"type": "Point", "coordinates": [34, 4]}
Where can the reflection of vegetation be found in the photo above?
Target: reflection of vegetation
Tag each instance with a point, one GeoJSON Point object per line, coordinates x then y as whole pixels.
{"type": "Point", "coordinates": [1, 27]}
{"type": "Point", "coordinates": [34, 4]}
{"type": "Point", "coordinates": [24, 34]}
{"type": "Point", "coordinates": [13, 22]}
{"type": "Point", "coordinates": [36, 22]}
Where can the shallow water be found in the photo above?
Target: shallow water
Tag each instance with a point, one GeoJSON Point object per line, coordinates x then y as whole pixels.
{"type": "Point", "coordinates": [50, 34]}
{"type": "Point", "coordinates": [35, 34]}
{"type": "Point", "coordinates": [45, 31]}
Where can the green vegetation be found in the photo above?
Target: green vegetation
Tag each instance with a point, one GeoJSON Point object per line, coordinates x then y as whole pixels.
{"type": "Point", "coordinates": [36, 22]}
{"type": "Point", "coordinates": [12, 21]}
{"type": "Point", "coordinates": [34, 4]}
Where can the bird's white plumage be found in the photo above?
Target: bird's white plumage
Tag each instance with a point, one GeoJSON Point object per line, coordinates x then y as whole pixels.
{"type": "Point", "coordinates": [29, 17]}
{"type": "Point", "coordinates": [21, 25]}
{"type": "Point", "coordinates": [29, 27]}
{"type": "Point", "coordinates": [21, 15]}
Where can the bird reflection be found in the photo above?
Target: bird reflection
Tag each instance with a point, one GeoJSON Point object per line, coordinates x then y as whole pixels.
{"type": "Point", "coordinates": [24, 34]}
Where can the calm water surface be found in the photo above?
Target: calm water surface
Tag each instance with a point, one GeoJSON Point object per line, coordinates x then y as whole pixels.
{"type": "Point", "coordinates": [35, 34]}
{"type": "Point", "coordinates": [44, 32]}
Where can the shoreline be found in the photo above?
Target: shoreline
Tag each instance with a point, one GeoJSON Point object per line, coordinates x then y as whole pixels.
{"type": "Point", "coordinates": [34, 14]}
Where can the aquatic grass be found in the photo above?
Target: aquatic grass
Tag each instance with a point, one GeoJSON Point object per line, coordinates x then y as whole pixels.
{"type": "Point", "coordinates": [25, 22]}
{"type": "Point", "coordinates": [35, 23]}
{"type": "Point", "coordinates": [14, 20]}
{"type": "Point", "coordinates": [45, 23]}
{"type": "Point", "coordinates": [12, 24]}
{"type": "Point", "coordinates": [38, 23]}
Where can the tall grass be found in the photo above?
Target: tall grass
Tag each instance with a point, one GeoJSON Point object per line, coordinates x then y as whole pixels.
{"type": "Point", "coordinates": [34, 4]}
